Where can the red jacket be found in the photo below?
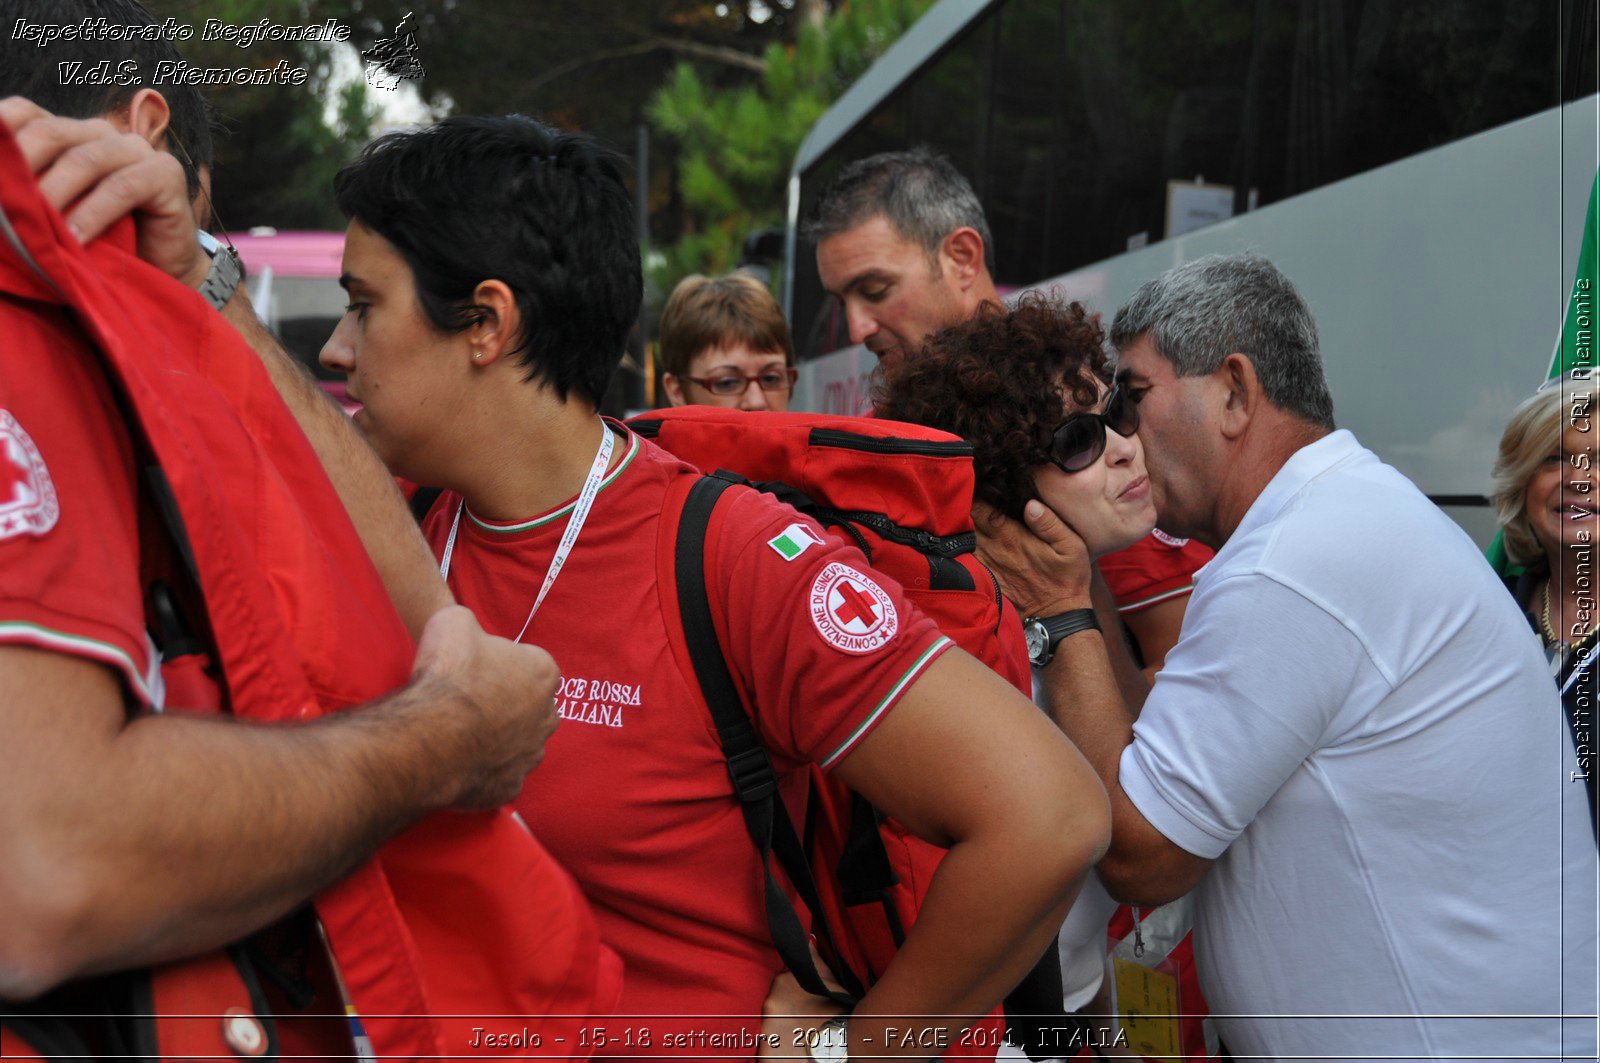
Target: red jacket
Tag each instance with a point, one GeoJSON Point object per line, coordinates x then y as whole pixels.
{"type": "Point", "coordinates": [463, 915]}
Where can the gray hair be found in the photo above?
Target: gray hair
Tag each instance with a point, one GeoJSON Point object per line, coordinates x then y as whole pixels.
{"type": "Point", "coordinates": [922, 194]}
{"type": "Point", "coordinates": [1202, 311]}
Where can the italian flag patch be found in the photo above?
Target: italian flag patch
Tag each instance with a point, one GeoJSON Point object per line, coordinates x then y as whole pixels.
{"type": "Point", "coordinates": [794, 540]}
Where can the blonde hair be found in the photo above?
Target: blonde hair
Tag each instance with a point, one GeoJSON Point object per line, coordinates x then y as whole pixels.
{"type": "Point", "coordinates": [1532, 434]}
{"type": "Point", "coordinates": [706, 313]}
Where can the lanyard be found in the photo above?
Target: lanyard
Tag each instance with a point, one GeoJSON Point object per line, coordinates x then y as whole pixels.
{"type": "Point", "coordinates": [580, 513]}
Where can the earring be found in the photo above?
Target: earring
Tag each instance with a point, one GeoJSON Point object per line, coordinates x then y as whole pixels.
{"type": "Point", "coordinates": [477, 356]}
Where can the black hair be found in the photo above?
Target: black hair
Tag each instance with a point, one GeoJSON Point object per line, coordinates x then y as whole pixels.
{"type": "Point", "coordinates": [509, 198]}
{"type": "Point", "coordinates": [27, 69]}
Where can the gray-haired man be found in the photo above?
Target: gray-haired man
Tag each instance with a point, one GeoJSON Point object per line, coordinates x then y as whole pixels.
{"type": "Point", "coordinates": [903, 243]}
{"type": "Point", "coordinates": [1353, 755]}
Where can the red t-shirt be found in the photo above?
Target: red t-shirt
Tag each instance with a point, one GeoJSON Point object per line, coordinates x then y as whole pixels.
{"type": "Point", "coordinates": [633, 795]}
{"type": "Point", "coordinates": [1152, 570]}
{"type": "Point", "coordinates": [70, 562]}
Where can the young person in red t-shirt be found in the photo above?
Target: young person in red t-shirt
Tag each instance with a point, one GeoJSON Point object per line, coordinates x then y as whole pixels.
{"type": "Point", "coordinates": [493, 277]}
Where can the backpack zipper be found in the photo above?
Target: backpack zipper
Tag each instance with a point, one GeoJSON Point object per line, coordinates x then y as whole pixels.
{"type": "Point", "coordinates": [932, 448]}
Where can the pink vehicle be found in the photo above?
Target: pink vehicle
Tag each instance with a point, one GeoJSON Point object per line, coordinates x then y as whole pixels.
{"type": "Point", "coordinates": [293, 279]}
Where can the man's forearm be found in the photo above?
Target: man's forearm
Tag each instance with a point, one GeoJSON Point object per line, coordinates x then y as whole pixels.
{"type": "Point", "coordinates": [1085, 699]}
{"type": "Point", "coordinates": [198, 830]}
{"type": "Point", "coordinates": [368, 491]}
{"type": "Point", "coordinates": [1142, 866]}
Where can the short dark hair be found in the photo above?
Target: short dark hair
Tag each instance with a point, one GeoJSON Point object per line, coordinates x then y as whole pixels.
{"type": "Point", "coordinates": [922, 194]}
{"type": "Point", "coordinates": [708, 313]}
{"type": "Point", "coordinates": [995, 380]}
{"type": "Point", "coordinates": [509, 198]}
{"type": "Point", "coordinates": [26, 69]}
{"type": "Point", "coordinates": [1202, 311]}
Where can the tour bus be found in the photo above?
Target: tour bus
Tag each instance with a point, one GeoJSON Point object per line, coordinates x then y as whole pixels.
{"type": "Point", "coordinates": [1420, 171]}
{"type": "Point", "coordinates": [293, 281]}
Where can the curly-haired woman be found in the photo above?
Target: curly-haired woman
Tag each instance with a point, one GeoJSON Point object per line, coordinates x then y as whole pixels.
{"type": "Point", "coordinates": [1030, 388]}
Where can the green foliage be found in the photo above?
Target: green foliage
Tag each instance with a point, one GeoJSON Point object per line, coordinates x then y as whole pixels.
{"type": "Point", "coordinates": [735, 145]}
{"type": "Point", "coordinates": [275, 154]}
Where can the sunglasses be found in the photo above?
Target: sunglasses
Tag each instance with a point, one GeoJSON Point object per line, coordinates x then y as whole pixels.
{"type": "Point", "coordinates": [1078, 442]}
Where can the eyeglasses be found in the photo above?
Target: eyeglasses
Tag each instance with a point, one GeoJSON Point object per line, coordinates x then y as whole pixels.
{"type": "Point", "coordinates": [1078, 442]}
{"type": "Point", "coordinates": [726, 384]}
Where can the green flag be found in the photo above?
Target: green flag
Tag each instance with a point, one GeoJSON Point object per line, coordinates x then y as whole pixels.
{"type": "Point", "coordinates": [1575, 346]}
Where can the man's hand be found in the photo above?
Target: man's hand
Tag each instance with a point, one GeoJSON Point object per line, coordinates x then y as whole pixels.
{"type": "Point", "coordinates": [502, 708]}
{"type": "Point", "coordinates": [1043, 568]}
{"type": "Point", "coordinates": [96, 175]}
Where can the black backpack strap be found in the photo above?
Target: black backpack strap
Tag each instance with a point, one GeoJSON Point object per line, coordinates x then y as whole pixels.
{"type": "Point", "coordinates": [865, 874]}
{"type": "Point", "coordinates": [754, 781]}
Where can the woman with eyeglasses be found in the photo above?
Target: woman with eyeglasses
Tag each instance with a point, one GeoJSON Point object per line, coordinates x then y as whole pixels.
{"type": "Point", "coordinates": [724, 342]}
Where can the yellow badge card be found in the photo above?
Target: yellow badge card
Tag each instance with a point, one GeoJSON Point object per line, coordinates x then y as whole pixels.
{"type": "Point", "coordinates": [1147, 1004]}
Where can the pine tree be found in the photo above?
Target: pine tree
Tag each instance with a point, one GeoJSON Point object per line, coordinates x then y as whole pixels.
{"type": "Point", "coordinates": [735, 145]}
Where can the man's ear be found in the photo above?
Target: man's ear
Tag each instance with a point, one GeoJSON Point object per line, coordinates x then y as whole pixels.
{"type": "Point", "coordinates": [149, 116]}
{"type": "Point", "coordinates": [962, 252]}
{"type": "Point", "coordinates": [674, 389]}
{"type": "Point", "coordinates": [499, 324]}
{"type": "Point", "coordinates": [1243, 397]}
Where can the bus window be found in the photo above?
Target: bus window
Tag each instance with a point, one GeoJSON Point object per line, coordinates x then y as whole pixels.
{"type": "Point", "coordinates": [293, 280]}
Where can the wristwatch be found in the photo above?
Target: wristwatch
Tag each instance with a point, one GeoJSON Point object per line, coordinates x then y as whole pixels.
{"type": "Point", "coordinates": [831, 1045]}
{"type": "Point", "coordinates": [226, 270]}
{"type": "Point", "coordinates": [1044, 633]}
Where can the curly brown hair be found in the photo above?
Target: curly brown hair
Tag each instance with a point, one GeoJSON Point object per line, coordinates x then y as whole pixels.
{"type": "Point", "coordinates": [996, 381]}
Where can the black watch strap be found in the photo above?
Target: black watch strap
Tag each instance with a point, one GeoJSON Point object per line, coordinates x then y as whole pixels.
{"type": "Point", "coordinates": [1059, 627]}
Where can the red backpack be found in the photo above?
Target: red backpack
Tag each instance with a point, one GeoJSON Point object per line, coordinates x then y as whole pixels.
{"type": "Point", "coordinates": [902, 494]}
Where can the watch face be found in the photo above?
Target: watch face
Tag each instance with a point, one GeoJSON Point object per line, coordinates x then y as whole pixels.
{"type": "Point", "coordinates": [1038, 639]}
{"type": "Point", "coordinates": [830, 1045]}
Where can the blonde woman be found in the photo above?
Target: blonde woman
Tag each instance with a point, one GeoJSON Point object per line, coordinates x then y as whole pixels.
{"type": "Point", "coordinates": [1545, 495]}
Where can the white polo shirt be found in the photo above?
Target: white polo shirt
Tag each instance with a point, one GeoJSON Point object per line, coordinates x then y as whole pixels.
{"type": "Point", "coordinates": [1359, 728]}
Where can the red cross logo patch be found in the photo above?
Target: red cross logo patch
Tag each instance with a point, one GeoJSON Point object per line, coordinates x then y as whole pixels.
{"type": "Point", "coordinates": [850, 611]}
{"type": "Point", "coordinates": [27, 497]}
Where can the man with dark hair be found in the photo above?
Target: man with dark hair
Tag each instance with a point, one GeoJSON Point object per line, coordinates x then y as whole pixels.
{"type": "Point", "coordinates": [100, 74]}
{"type": "Point", "coordinates": [1354, 755]}
{"type": "Point", "coordinates": [903, 243]}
